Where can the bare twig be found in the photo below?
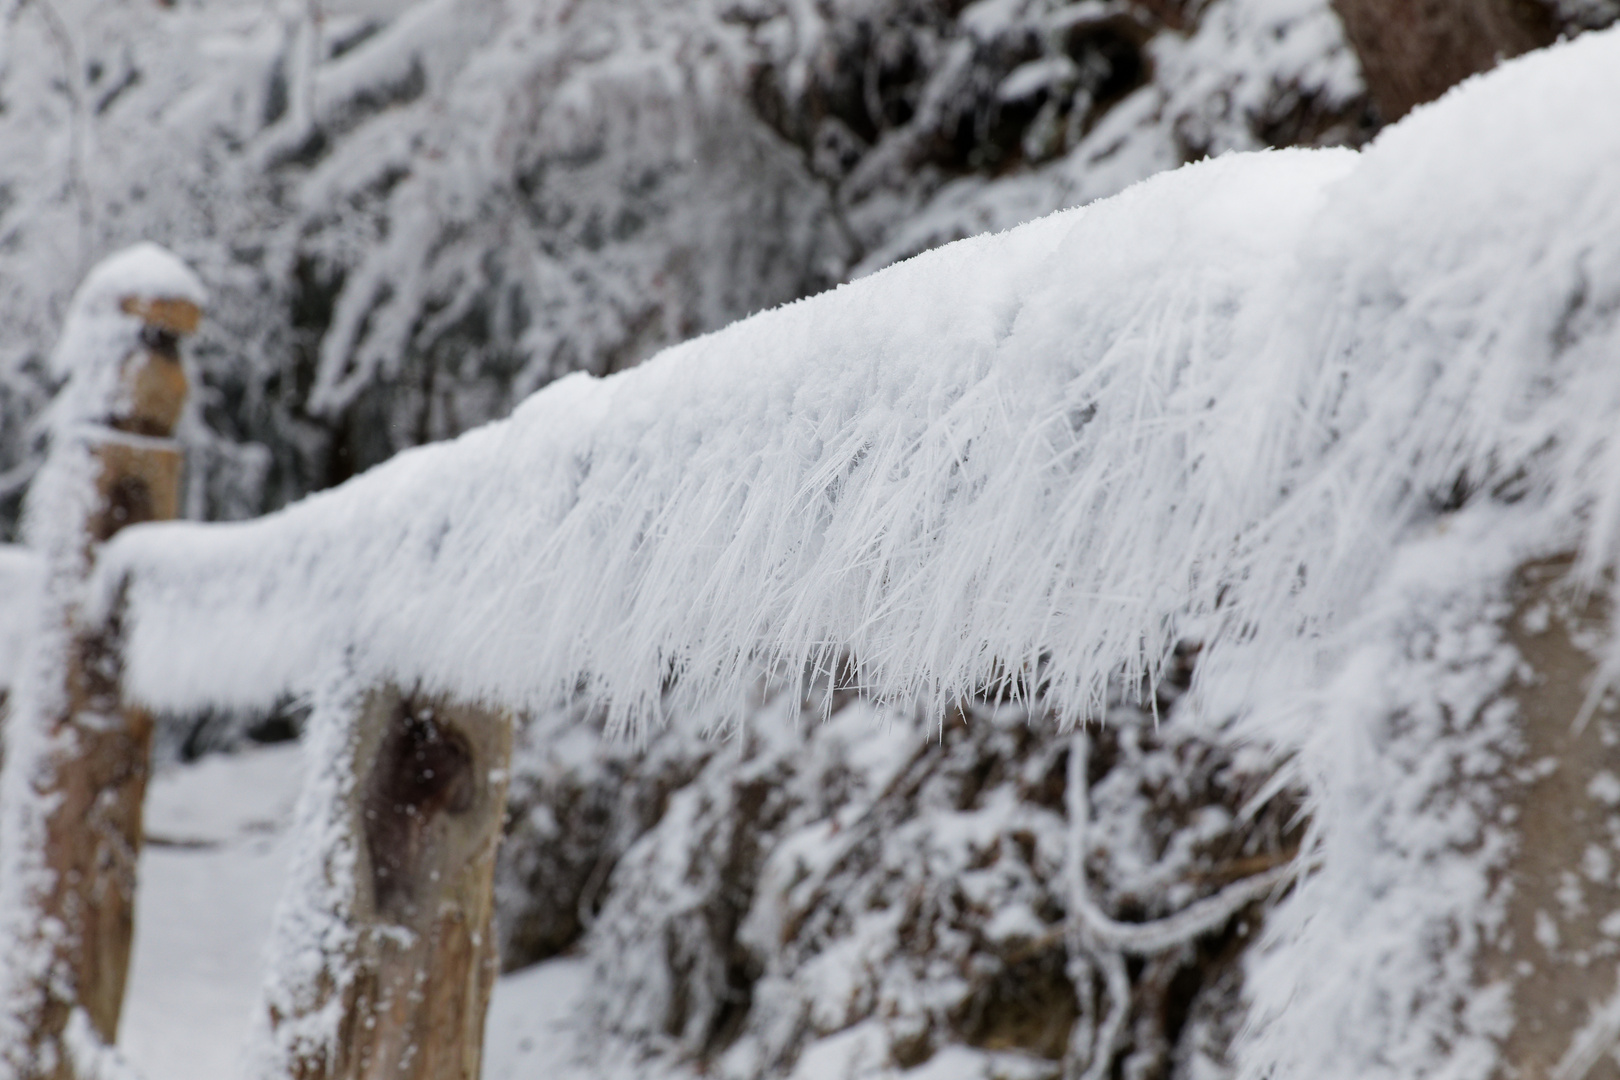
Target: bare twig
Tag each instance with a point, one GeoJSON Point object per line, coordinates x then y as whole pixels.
{"type": "Point", "coordinates": [1081, 935]}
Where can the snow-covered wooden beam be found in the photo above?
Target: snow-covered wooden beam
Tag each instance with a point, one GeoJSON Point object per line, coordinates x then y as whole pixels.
{"type": "Point", "coordinates": [1211, 404]}
{"type": "Point", "coordinates": [1412, 53]}
{"type": "Point", "coordinates": [76, 752]}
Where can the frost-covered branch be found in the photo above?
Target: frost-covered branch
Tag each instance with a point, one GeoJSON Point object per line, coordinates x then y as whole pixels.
{"type": "Point", "coordinates": [80, 137]}
{"type": "Point", "coordinates": [1158, 935]}
{"type": "Point", "coordinates": [1092, 937]}
{"type": "Point", "coordinates": [1081, 932]}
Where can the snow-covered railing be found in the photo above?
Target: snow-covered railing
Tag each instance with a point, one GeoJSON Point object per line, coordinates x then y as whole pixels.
{"type": "Point", "coordinates": [1332, 414]}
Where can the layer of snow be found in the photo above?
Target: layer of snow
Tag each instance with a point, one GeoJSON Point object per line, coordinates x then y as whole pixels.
{"type": "Point", "coordinates": [216, 859]}
{"type": "Point", "coordinates": [533, 1028]}
{"type": "Point", "coordinates": [1051, 448]}
{"type": "Point", "coordinates": [142, 272]}
{"type": "Point", "coordinates": [222, 799]}
{"type": "Point", "coordinates": [1212, 91]}
{"type": "Point", "coordinates": [881, 467]}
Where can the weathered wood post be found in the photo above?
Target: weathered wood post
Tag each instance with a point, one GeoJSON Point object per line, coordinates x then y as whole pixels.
{"type": "Point", "coordinates": [385, 952]}
{"type": "Point", "coordinates": [76, 753]}
{"type": "Point", "coordinates": [1557, 947]}
{"type": "Point", "coordinates": [1412, 52]}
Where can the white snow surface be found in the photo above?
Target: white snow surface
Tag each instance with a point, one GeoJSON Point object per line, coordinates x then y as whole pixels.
{"type": "Point", "coordinates": [1239, 401]}
{"type": "Point", "coordinates": [144, 271]}
{"type": "Point", "coordinates": [1000, 448]}
{"type": "Point", "coordinates": [98, 333]}
{"type": "Point", "coordinates": [216, 857]}
{"type": "Point", "coordinates": [1057, 447]}
{"type": "Point", "coordinates": [21, 575]}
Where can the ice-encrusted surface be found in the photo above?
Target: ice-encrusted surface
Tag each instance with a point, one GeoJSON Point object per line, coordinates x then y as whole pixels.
{"type": "Point", "coordinates": [1049, 449]}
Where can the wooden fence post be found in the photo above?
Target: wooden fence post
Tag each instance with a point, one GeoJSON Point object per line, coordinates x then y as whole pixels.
{"type": "Point", "coordinates": [390, 954]}
{"type": "Point", "coordinates": [77, 754]}
{"type": "Point", "coordinates": [1413, 52]}
{"type": "Point", "coordinates": [1556, 948]}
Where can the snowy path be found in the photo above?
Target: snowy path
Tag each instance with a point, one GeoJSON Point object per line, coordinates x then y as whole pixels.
{"type": "Point", "coordinates": [210, 876]}
{"type": "Point", "coordinates": [216, 855]}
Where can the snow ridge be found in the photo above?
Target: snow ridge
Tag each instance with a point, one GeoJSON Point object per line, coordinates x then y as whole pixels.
{"type": "Point", "coordinates": [1040, 456]}
{"type": "Point", "coordinates": [942, 470]}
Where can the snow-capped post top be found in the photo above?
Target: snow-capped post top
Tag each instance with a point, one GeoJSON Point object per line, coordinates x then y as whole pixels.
{"type": "Point", "coordinates": [110, 463]}
{"type": "Point", "coordinates": [118, 350]}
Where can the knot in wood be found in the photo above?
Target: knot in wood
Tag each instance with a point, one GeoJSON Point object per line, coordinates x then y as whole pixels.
{"type": "Point", "coordinates": [424, 769]}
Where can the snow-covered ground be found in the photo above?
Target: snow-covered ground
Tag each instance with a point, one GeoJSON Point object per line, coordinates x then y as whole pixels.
{"type": "Point", "coordinates": [528, 1035]}
{"type": "Point", "coordinates": [217, 853]}
{"type": "Point", "coordinates": [216, 856]}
